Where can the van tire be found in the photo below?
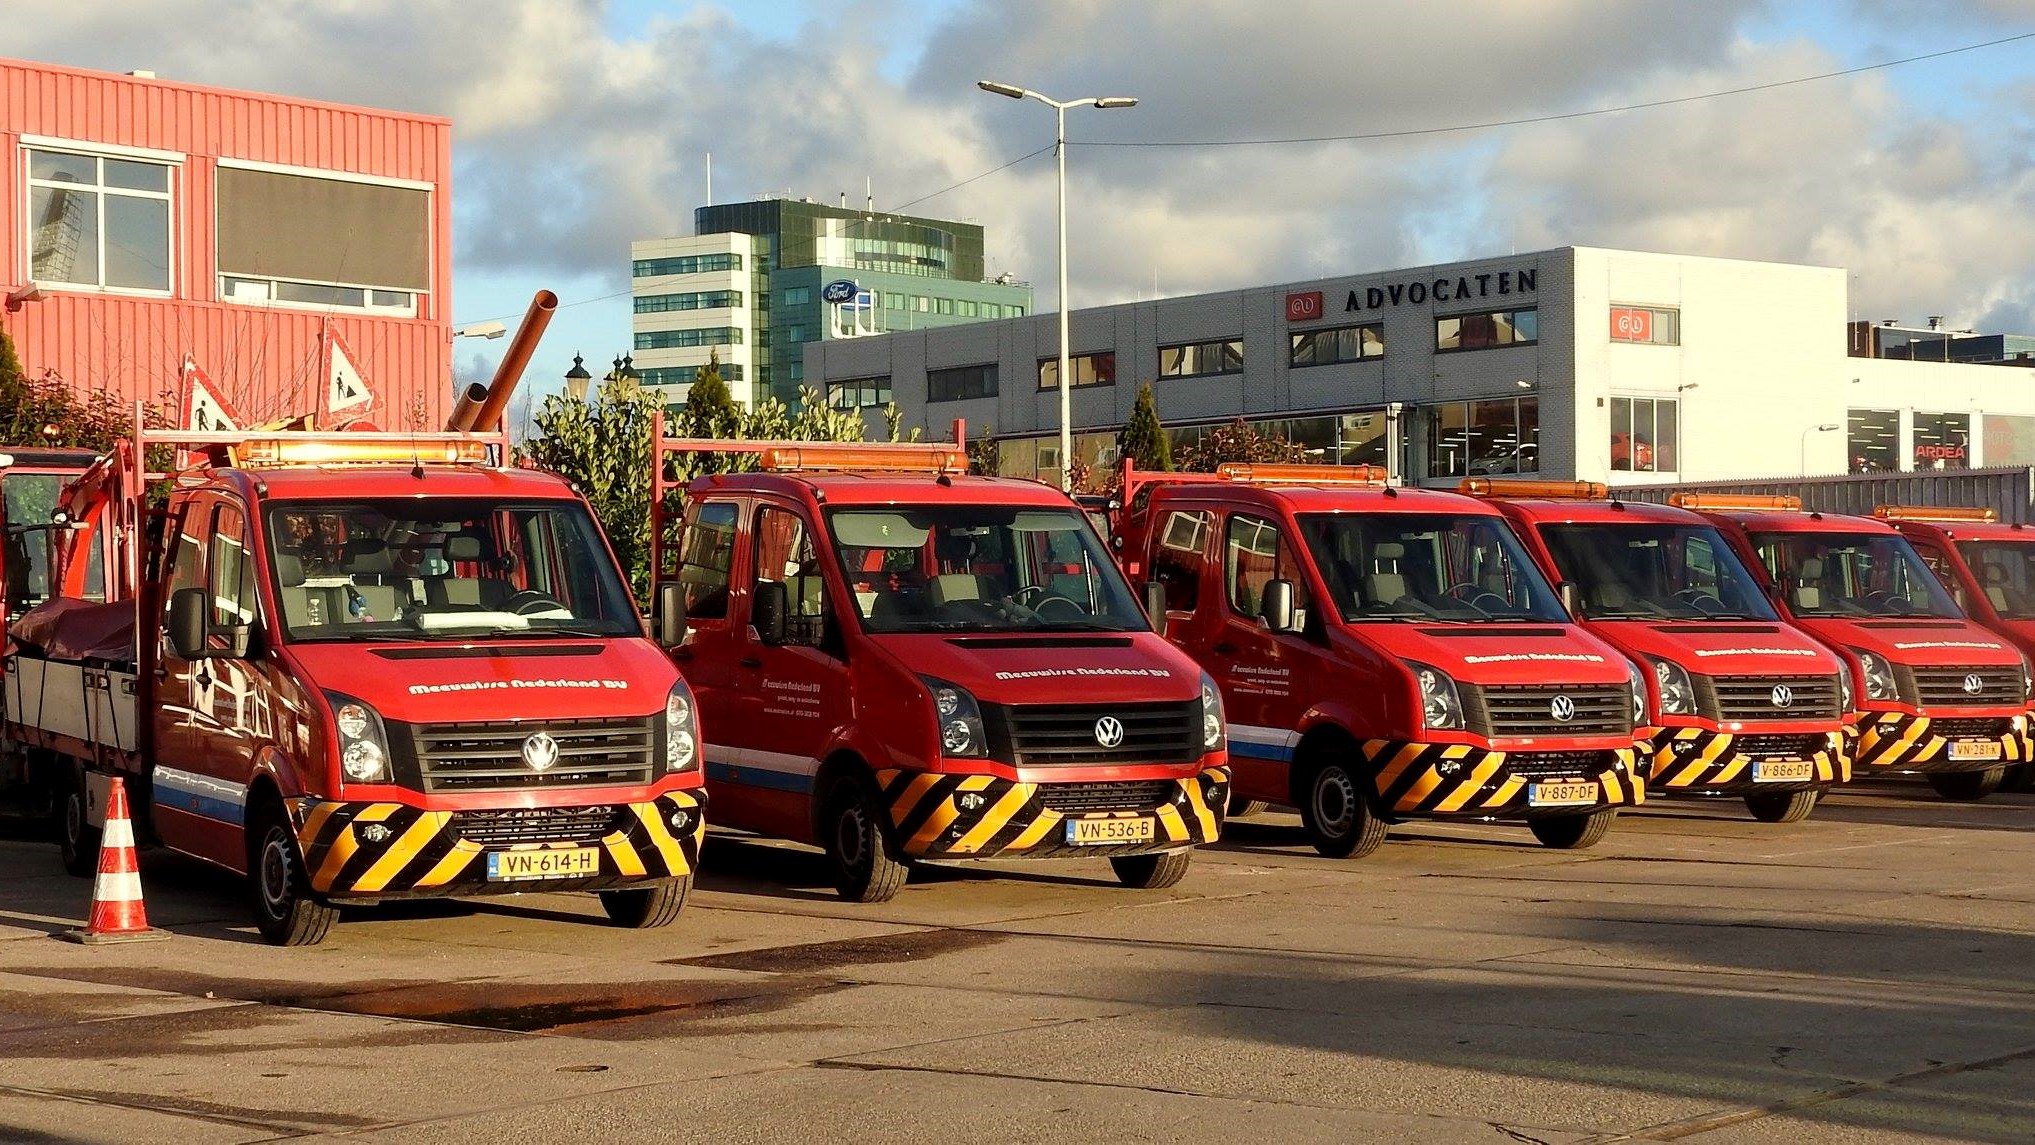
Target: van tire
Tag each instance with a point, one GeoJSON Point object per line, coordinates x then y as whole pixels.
{"type": "Point", "coordinates": [1572, 832]}
{"type": "Point", "coordinates": [1152, 872]}
{"type": "Point", "coordinates": [285, 910]}
{"type": "Point", "coordinates": [856, 834]}
{"type": "Point", "coordinates": [1782, 806]}
{"type": "Point", "coordinates": [1249, 807]}
{"type": "Point", "coordinates": [1967, 786]}
{"type": "Point", "coordinates": [77, 839]}
{"type": "Point", "coordinates": [1337, 812]}
{"type": "Point", "coordinates": [647, 908]}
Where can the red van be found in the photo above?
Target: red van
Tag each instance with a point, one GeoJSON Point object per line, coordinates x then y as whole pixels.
{"type": "Point", "coordinates": [1742, 705]}
{"type": "Point", "coordinates": [1941, 697]}
{"type": "Point", "coordinates": [901, 661]}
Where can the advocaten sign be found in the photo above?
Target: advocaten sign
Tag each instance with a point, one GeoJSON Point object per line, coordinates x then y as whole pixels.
{"type": "Point", "coordinates": [1301, 306]}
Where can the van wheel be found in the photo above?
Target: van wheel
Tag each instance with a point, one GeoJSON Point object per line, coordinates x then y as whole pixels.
{"type": "Point", "coordinates": [866, 866]}
{"type": "Point", "coordinates": [1782, 806]}
{"type": "Point", "coordinates": [1967, 786]}
{"type": "Point", "coordinates": [1248, 807]}
{"type": "Point", "coordinates": [2020, 778]}
{"type": "Point", "coordinates": [1338, 816]}
{"type": "Point", "coordinates": [285, 911]}
{"type": "Point", "coordinates": [1152, 872]}
{"type": "Point", "coordinates": [647, 908]}
{"type": "Point", "coordinates": [1572, 832]}
{"type": "Point", "coordinates": [77, 839]}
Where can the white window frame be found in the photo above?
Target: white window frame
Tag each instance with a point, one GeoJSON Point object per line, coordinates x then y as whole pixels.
{"type": "Point", "coordinates": [413, 310]}
{"type": "Point", "coordinates": [173, 161]}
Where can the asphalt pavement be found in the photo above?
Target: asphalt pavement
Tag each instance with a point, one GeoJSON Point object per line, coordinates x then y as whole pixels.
{"type": "Point", "coordinates": [1868, 975]}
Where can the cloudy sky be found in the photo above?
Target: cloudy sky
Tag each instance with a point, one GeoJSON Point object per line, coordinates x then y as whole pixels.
{"type": "Point", "coordinates": [581, 124]}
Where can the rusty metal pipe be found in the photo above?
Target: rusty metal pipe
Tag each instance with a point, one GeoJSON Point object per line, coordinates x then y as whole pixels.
{"type": "Point", "coordinates": [471, 398]}
{"type": "Point", "coordinates": [503, 387]}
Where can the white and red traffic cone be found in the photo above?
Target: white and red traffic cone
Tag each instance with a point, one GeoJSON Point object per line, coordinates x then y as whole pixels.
{"type": "Point", "coordinates": [117, 911]}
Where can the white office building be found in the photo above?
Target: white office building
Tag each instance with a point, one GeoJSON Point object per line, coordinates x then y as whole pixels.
{"type": "Point", "coordinates": [1575, 363]}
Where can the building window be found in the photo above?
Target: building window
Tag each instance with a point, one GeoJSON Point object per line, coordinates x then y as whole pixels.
{"type": "Point", "coordinates": [1645, 435]}
{"type": "Point", "coordinates": [1016, 312]}
{"type": "Point", "coordinates": [1492, 435]}
{"type": "Point", "coordinates": [697, 300]}
{"type": "Point", "coordinates": [1341, 344]}
{"type": "Point", "coordinates": [1873, 442]}
{"type": "Point", "coordinates": [893, 301]}
{"type": "Point", "coordinates": [923, 303]}
{"type": "Point", "coordinates": [321, 241]}
{"type": "Point", "coordinates": [99, 221]}
{"type": "Point", "coordinates": [1942, 441]}
{"type": "Point", "coordinates": [798, 296]}
{"type": "Point", "coordinates": [1486, 331]}
{"type": "Point", "coordinates": [685, 264]}
{"type": "Point", "coordinates": [686, 375]}
{"type": "Point", "coordinates": [794, 334]}
{"type": "Point", "coordinates": [1088, 370]}
{"type": "Point", "coordinates": [678, 339]}
{"type": "Point", "coordinates": [859, 393]}
{"type": "Point", "coordinates": [1653, 325]}
{"type": "Point", "coordinates": [1194, 359]}
{"type": "Point", "coordinates": [943, 306]}
{"type": "Point", "coordinates": [960, 382]}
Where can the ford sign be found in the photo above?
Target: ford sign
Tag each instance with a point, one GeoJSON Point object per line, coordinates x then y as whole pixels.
{"type": "Point", "coordinates": [837, 291]}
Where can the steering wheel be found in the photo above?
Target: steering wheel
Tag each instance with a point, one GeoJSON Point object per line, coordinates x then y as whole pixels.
{"type": "Point", "coordinates": [1476, 596]}
{"type": "Point", "coordinates": [1700, 601]}
{"type": "Point", "coordinates": [530, 602]}
{"type": "Point", "coordinates": [1032, 590]}
{"type": "Point", "coordinates": [1887, 602]}
{"type": "Point", "coordinates": [1067, 608]}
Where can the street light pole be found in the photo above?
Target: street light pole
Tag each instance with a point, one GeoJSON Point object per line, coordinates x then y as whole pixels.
{"type": "Point", "coordinates": [1060, 154]}
{"type": "Point", "coordinates": [1826, 427]}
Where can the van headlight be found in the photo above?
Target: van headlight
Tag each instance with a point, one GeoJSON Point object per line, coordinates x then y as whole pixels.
{"type": "Point", "coordinates": [1678, 694]}
{"type": "Point", "coordinates": [1441, 706]}
{"type": "Point", "coordinates": [1877, 676]}
{"type": "Point", "coordinates": [363, 742]}
{"type": "Point", "coordinates": [1638, 682]}
{"type": "Point", "coordinates": [959, 719]}
{"type": "Point", "coordinates": [1846, 701]}
{"type": "Point", "coordinates": [681, 729]}
{"type": "Point", "coordinates": [1211, 714]}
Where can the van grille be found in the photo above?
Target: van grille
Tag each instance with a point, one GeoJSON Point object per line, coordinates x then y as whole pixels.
{"type": "Point", "coordinates": [1981, 728]}
{"type": "Point", "coordinates": [536, 825]}
{"type": "Point", "coordinates": [1088, 798]}
{"type": "Point", "coordinates": [489, 756]}
{"type": "Point", "coordinates": [1065, 733]}
{"type": "Point", "coordinates": [1752, 697]}
{"type": "Point", "coordinates": [1555, 764]}
{"type": "Point", "coordinates": [1800, 746]}
{"type": "Point", "coordinates": [1944, 687]}
{"type": "Point", "coordinates": [1500, 712]}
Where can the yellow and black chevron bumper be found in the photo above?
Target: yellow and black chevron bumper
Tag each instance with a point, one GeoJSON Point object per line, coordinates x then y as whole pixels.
{"type": "Point", "coordinates": [1899, 741]}
{"type": "Point", "coordinates": [936, 816]}
{"type": "Point", "coordinates": [1698, 761]}
{"type": "Point", "coordinates": [392, 850]}
{"type": "Point", "coordinates": [1444, 780]}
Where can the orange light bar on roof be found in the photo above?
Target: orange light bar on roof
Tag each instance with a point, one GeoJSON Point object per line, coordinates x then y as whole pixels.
{"type": "Point", "coordinates": [1254, 473]}
{"type": "Point", "coordinates": [1727, 502]}
{"type": "Point", "coordinates": [1542, 490]}
{"type": "Point", "coordinates": [385, 451]}
{"type": "Point", "coordinates": [900, 458]}
{"type": "Point", "coordinates": [1934, 513]}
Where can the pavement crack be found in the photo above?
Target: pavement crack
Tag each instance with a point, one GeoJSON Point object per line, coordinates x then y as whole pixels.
{"type": "Point", "coordinates": [1516, 1135]}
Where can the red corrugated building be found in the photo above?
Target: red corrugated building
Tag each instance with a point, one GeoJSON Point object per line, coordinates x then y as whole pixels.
{"type": "Point", "coordinates": [146, 220]}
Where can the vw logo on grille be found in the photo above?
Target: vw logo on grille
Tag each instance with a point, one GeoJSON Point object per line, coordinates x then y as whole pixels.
{"type": "Point", "coordinates": [1973, 685]}
{"type": "Point", "coordinates": [1109, 731]}
{"type": "Point", "coordinates": [1562, 708]}
{"type": "Point", "coordinates": [1784, 696]}
{"type": "Point", "coordinates": [540, 751]}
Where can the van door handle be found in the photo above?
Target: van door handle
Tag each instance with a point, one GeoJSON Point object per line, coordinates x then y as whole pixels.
{"type": "Point", "coordinates": [750, 662]}
{"type": "Point", "coordinates": [1222, 648]}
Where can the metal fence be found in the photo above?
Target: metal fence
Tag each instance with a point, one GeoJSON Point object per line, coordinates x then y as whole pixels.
{"type": "Point", "coordinates": [2006, 490]}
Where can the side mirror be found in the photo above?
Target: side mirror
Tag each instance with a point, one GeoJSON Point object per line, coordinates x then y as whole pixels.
{"type": "Point", "coordinates": [767, 611]}
{"type": "Point", "coordinates": [1155, 605]}
{"type": "Point", "coordinates": [187, 623]}
{"type": "Point", "coordinates": [1277, 606]}
{"type": "Point", "coordinates": [1566, 591]}
{"type": "Point", "coordinates": [670, 608]}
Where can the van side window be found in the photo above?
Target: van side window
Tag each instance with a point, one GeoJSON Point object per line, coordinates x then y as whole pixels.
{"type": "Point", "coordinates": [784, 553]}
{"type": "Point", "coordinates": [232, 572]}
{"type": "Point", "coordinates": [1178, 558]}
{"type": "Point", "coordinates": [708, 554]}
{"type": "Point", "coordinates": [187, 567]}
{"type": "Point", "coordinates": [1253, 554]}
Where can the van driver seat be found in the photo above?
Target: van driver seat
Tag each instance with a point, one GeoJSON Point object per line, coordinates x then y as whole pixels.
{"type": "Point", "coordinates": [1808, 593]}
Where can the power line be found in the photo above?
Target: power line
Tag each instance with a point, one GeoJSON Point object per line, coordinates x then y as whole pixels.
{"type": "Point", "coordinates": [1557, 117]}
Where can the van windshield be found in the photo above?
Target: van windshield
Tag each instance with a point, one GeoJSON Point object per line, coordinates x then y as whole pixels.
{"type": "Point", "coordinates": [1655, 572]}
{"type": "Point", "coordinates": [1852, 574]}
{"type": "Point", "coordinates": [443, 568]}
{"type": "Point", "coordinates": [980, 568]}
{"type": "Point", "coordinates": [1427, 566]}
{"type": "Point", "coordinates": [2006, 574]}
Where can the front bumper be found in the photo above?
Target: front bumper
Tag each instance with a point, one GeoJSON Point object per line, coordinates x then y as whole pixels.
{"type": "Point", "coordinates": [1886, 742]}
{"type": "Point", "coordinates": [1437, 780]}
{"type": "Point", "coordinates": [939, 816]}
{"type": "Point", "coordinates": [393, 850]}
{"type": "Point", "coordinates": [1698, 761]}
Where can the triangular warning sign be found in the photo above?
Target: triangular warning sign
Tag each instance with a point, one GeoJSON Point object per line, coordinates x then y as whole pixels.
{"type": "Point", "coordinates": [205, 409]}
{"type": "Point", "coordinates": [345, 388]}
